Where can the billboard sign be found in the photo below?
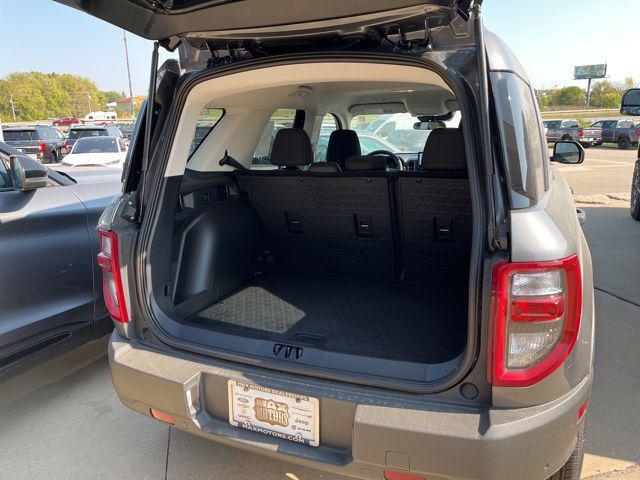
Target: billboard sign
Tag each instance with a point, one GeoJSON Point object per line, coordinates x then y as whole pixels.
{"type": "Point", "coordinates": [584, 72]}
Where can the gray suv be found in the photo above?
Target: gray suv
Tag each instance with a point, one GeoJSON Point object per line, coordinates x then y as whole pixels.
{"type": "Point", "coordinates": [423, 315]}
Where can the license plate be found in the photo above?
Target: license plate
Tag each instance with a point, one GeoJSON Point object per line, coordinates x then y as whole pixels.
{"type": "Point", "coordinates": [275, 413]}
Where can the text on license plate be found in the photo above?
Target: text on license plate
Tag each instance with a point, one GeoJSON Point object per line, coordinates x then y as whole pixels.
{"type": "Point", "coordinates": [275, 413]}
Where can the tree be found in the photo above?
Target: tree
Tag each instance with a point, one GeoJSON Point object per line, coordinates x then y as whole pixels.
{"type": "Point", "coordinates": [39, 96]}
{"type": "Point", "coordinates": [570, 96]}
{"type": "Point", "coordinates": [605, 94]}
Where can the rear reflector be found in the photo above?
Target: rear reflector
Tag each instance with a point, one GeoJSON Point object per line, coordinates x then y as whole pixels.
{"type": "Point", "coordinates": [536, 317]}
{"type": "Point", "coordinates": [582, 410]}
{"type": "Point", "coordinates": [162, 416]}
{"type": "Point", "coordinates": [397, 475]}
{"type": "Point", "coordinates": [112, 289]}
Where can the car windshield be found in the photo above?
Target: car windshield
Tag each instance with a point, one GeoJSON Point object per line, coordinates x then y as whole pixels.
{"type": "Point", "coordinates": [76, 133]}
{"type": "Point", "coordinates": [96, 145]}
{"type": "Point", "coordinates": [398, 132]}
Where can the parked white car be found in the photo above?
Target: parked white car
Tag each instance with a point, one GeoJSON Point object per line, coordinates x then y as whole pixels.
{"type": "Point", "coordinates": [97, 151]}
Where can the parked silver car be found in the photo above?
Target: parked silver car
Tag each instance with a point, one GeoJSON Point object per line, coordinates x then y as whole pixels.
{"type": "Point", "coordinates": [350, 314]}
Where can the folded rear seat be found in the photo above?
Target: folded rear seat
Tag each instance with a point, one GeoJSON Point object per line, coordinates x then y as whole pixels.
{"type": "Point", "coordinates": [336, 222]}
{"type": "Point", "coordinates": [434, 204]}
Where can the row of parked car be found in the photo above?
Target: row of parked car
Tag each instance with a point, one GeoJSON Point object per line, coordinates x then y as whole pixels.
{"type": "Point", "coordinates": [624, 133]}
{"type": "Point", "coordinates": [47, 144]}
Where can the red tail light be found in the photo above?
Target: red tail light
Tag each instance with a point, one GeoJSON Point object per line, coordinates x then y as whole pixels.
{"type": "Point", "coordinates": [536, 317]}
{"type": "Point", "coordinates": [638, 133]}
{"type": "Point", "coordinates": [42, 147]}
{"type": "Point", "coordinates": [66, 144]}
{"type": "Point", "coordinates": [581, 133]}
{"type": "Point", "coordinates": [112, 288]}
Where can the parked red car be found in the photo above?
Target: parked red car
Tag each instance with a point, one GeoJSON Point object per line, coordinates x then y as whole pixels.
{"type": "Point", "coordinates": [65, 121]}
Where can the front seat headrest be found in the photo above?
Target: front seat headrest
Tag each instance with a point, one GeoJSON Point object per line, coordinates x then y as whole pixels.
{"type": "Point", "coordinates": [366, 162]}
{"type": "Point", "coordinates": [291, 148]}
{"type": "Point", "coordinates": [324, 167]}
{"type": "Point", "coordinates": [342, 145]}
{"type": "Point", "coordinates": [444, 150]}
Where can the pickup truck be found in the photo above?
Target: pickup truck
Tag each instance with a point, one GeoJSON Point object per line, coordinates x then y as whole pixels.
{"type": "Point", "coordinates": [623, 132]}
{"type": "Point", "coordinates": [571, 130]}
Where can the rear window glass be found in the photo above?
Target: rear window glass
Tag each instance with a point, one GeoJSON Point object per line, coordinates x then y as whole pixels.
{"type": "Point", "coordinates": [75, 134]}
{"type": "Point", "coordinates": [19, 135]}
{"type": "Point", "coordinates": [553, 124]}
{"type": "Point", "coordinates": [95, 145]}
{"type": "Point", "coordinates": [397, 132]}
{"type": "Point", "coordinates": [281, 118]}
{"type": "Point", "coordinates": [208, 119]}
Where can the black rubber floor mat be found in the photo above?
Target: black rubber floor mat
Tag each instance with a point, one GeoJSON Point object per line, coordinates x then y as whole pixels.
{"type": "Point", "coordinates": [360, 316]}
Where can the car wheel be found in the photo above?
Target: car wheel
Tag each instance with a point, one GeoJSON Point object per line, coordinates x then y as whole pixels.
{"type": "Point", "coordinates": [567, 138]}
{"type": "Point", "coordinates": [635, 192]}
{"type": "Point", "coordinates": [53, 157]}
{"type": "Point", "coordinates": [572, 469]}
{"type": "Point", "coordinates": [624, 143]}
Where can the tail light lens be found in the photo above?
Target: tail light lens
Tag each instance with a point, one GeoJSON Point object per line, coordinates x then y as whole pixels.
{"type": "Point", "coordinates": [66, 144]}
{"type": "Point", "coordinates": [112, 288]}
{"type": "Point", "coordinates": [42, 147]}
{"type": "Point", "coordinates": [581, 133]}
{"type": "Point", "coordinates": [536, 318]}
{"type": "Point", "coordinates": [638, 133]}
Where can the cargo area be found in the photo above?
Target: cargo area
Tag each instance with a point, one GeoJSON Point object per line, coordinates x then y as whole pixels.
{"type": "Point", "coordinates": [293, 241]}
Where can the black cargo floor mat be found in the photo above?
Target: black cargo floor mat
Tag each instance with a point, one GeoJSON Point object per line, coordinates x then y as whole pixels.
{"type": "Point", "coordinates": [360, 316]}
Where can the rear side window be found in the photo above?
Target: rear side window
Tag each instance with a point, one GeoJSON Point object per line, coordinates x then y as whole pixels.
{"type": "Point", "coordinates": [523, 147]}
{"type": "Point", "coordinates": [329, 124]}
{"type": "Point", "coordinates": [208, 119]}
{"type": "Point", "coordinates": [281, 118]}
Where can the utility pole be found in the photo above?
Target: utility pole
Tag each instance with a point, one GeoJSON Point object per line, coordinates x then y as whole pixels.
{"type": "Point", "coordinates": [89, 99]}
{"type": "Point", "coordinates": [588, 91]}
{"type": "Point", "coordinates": [126, 56]}
{"type": "Point", "coordinates": [13, 108]}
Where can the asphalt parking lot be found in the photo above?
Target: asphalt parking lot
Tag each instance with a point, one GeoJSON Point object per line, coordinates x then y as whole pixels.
{"type": "Point", "coordinates": [63, 420]}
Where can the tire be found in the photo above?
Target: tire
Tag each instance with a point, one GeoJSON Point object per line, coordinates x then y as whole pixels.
{"type": "Point", "coordinates": [635, 192]}
{"type": "Point", "coordinates": [624, 143]}
{"type": "Point", "coordinates": [53, 157]}
{"type": "Point", "coordinates": [572, 469]}
{"type": "Point", "coordinates": [567, 138]}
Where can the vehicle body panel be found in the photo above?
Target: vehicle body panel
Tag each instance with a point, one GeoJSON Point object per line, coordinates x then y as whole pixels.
{"type": "Point", "coordinates": [291, 16]}
{"type": "Point", "coordinates": [51, 298]}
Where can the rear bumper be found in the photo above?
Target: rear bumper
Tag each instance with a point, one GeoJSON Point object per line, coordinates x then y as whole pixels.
{"type": "Point", "coordinates": [361, 435]}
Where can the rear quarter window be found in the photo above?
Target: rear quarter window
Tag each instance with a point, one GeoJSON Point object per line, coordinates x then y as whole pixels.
{"type": "Point", "coordinates": [522, 139]}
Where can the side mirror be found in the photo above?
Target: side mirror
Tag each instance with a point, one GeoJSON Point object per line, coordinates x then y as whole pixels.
{"type": "Point", "coordinates": [631, 103]}
{"type": "Point", "coordinates": [27, 173]}
{"type": "Point", "coordinates": [568, 152]}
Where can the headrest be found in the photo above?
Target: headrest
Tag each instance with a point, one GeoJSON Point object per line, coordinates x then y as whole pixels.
{"type": "Point", "coordinates": [291, 148]}
{"type": "Point", "coordinates": [342, 145]}
{"type": "Point", "coordinates": [366, 162]}
{"type": "Point", "coordinates": [444, 150]}
{"type": "Point", "coordinates": [324, 167]}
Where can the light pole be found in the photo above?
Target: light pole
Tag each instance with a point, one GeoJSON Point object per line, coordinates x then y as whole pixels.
{"type": "Point", "coordinates": [89, 100]}
{"type": "Point", "coordinates": [126, 56]}
{"type": "Point", "coordinates": [13, 108]}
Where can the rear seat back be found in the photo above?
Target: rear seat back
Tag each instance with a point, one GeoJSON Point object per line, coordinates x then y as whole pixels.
{"type": "Point", "coordinates": [435, 217]}
{"type": "Point", "coordinates": [322, 221]}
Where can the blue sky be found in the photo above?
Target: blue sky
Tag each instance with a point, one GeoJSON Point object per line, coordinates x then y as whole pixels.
{"type": "Point", "coordinates": [549, 37]}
